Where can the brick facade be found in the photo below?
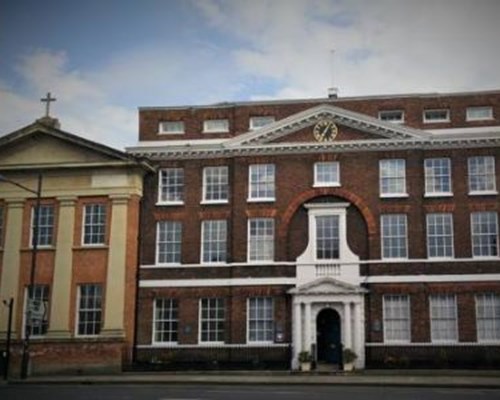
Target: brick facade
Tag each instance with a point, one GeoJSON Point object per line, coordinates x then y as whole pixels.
{"type": "Point", "coordinates": [417, 276]}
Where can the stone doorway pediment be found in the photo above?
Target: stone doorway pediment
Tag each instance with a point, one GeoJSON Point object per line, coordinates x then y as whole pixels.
{"type": "Point", "coordinates": [327, 285]}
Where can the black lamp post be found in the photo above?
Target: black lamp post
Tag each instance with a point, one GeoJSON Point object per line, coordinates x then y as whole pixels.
{"type": "Point", "coordinates": [10, 305]}
{"type": "Point", "coordinates": [34, 248]}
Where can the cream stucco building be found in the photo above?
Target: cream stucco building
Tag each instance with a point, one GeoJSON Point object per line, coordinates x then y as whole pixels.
{"type": "Point", "coordinates": [83, 290]}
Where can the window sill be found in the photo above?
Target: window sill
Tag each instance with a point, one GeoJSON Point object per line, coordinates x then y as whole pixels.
{"type": "Point", "coordinates": [168, 265]}
{"type": "Point", "coordinates": [440, 194]}
{"type": "Point", "coordinates": [261, 200]}
{"type": "Point", "coordinates": [486, 258]}
{"type": "Point", "coordinates": [395, 259]}
{"type": "Point", "coordinates": [171, 133]}
{"type": "Point", "coordinates": [320, 185]}
{"type": "Point", "coordinates": [213, 264]}
{"type": "Point", "coordinates": [215, 132]}
{"type": "Point", "coordinates": [484, 193]}
{"type": "Point", "coordinates": [208, 344]}
{"type": "Point", "coordinates": [259, 262]}
{"type": "Point", "coordinates": [214, 202]}
{"type": "Point", "coordinates": [394, 195]}
{"type": "Point", "coordinates": [93, 246]}
{"type": "Point", "coordinates": [169, 203]}
{"type": "Point", "coordinates": [441, 258]}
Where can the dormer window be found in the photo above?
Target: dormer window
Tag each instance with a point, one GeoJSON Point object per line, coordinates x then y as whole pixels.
{"type": "Point", "coordinates": [215, 125]}
{"type": "Point", "coordinates": [396, 116]}
{"type": "Point", "coordinates": [441, 115]}
{"type": "Point", "coordinates": [479, 113]}
{"type": "Point", "coordinates": [171, 127]}
{"type": "Point", "coordinates": [259, 122]}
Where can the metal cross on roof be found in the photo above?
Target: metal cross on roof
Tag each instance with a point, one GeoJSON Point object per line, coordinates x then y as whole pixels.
{"type": "Point", "coordinates": [47, 100]}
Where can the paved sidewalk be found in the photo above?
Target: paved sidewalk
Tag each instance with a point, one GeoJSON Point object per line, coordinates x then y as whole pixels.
{"type": "Point", "coordinates": [423, 378]}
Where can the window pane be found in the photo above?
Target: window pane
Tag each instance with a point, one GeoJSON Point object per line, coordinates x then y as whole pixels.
{"type": "Point", "coordinates": [171, 185]}
{"type": "Point", "coordinates": [89, 309]}
{"type": "Point", "coordinates": [443, 313]}
{"type": "Point", "coordinates": [260, 319]}
{"type": "Point", "coordinates": [215, 183]}
{"type": "Point", "coordinates": [165, 320]}
{"type": "Point", "coordinates": [482, 174]}
{"type": "Point", "coordinates": [261, 181]}
{"type": "Point", "coordinates": [212, 320]}
{"type": "Point", "coordinates": [394, 236]}
{"type": "Point", "coordinates": [261, 239]}
{"type": "Point", "coordinates": [392, 177]}
{"type": "Point", "coordinates": [168, 244]}
{"type": "Point", "coordinates": [214, 241]}
{"type": "Point", "coordinates": [484, 232]}
{"type": "Point", "coordinates": [327, 237]}
{"type": "Point", "coordinates": [94, 230]}
{"type": "Point", "coordinates": [396, 318]}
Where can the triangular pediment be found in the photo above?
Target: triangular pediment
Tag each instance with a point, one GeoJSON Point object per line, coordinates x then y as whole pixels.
{"type": "Point", "coordinates": [41, 145]}
{"type": "Point", "coordinates": [351, 125]}
{"type": "Point", "coordinates": [327, 285]}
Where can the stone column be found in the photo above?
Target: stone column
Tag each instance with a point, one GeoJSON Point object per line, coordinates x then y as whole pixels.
{"type": "Point", "coordinates": [307, 327]}
{"type": "Point", "coordinates": [297, 333]}
{"type": "Point", "coordinates": [359, 327]}
{"type": "Point", "coordinates": [63, 269]}
{"type": "Point", "coordinates": [115, 279]}
{"type": "Point", "coordinates": [347, 325]}
{"type": "Point", "coordinates": [11, 262]}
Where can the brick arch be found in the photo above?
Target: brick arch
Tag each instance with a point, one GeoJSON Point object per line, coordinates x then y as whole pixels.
{"type": "Point", "coordinates": [339, 192]}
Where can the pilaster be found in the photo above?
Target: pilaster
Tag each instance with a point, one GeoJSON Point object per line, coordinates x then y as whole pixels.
{"type": "Point", "coordinates": [115, 279]}
{"type": "Point", "coordinates": [59, 326]}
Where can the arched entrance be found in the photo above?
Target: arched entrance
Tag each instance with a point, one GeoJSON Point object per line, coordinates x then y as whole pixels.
{"type": "Point", "coordinates": [328, 336]}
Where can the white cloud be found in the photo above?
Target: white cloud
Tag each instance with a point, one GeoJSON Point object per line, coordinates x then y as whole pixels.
{"type": "Point", "coordinates": [82, 106]}
{"type": "Point", "coordinates": [383, 46]}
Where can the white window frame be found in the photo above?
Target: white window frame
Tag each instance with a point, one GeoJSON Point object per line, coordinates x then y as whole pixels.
{"type": "Point", "coordinates": [101, 225]}
{"type": "Point", "coordinates": [395, 170]}
{"type": "Point", "coordinates": [403, 304]}
{"type": "Point", "coordinates": [259, 121]}
{"type": "Point", "coordinates": [43, 224]}
{"type": "Point", "coordinates": [45, 298]}
{"type": "Point", "coordinates": [215, 320]}
{"type": "Point", "coordinates": [492, 214]}
{"type": "Point", "coordinates": [207, 128]}
{"type": "Point", "coordinates": [171, 127]}
{"type": "Point", "coordinates": [488, 313]}
{"type": "Point", "coordinates": [219, 228]}
{"type": "Point", "coordinates": [328, 239]}
{"type": "Point", "coordinates": [488, 175]}
{"type": "Point", "coordinates": [268, 172]}
{"type": "Point", "coordinates": [220, 181]}
{"type": "Point", "coordinates": [383, 238]}
{"type": "Point", "coordinates": [384, 113]}
{"type": "Point", "coordinates": [334, 171]}
{"type": "Point", "coordinates": [261, 241]}
{"type": "Point", "coordinates": [450, 237]}
{"type": "Point", "coordinates": [476, 109]}
{"type": "Point", "coordinates": [172, 321]}
{"type": "Point", "coordinates": [175, 225]}
{"type": "Point", "coordinates": [99, 324]}
{"type": "Point", "coordinates": [264, 320]}
{"type": "Point", "coordinates": [453, 320]}
{"type": "Point", "coordinates": [427, 120]}
{"type": "Point", "coordinates": [434, 177]}
{"type": "Point", "coordinates": [163, 189]}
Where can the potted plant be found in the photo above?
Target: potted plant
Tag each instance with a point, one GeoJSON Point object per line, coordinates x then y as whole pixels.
{"type": "Point", "coordinates": [348, 358]}
{"type": "Point", "coordinates": [305, 360]}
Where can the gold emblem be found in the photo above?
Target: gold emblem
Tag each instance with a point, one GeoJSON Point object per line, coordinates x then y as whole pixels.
{"type": "Point", "coordinates": [325, 130]}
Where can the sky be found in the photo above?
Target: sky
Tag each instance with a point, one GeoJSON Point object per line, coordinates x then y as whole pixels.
{"type": "Point", "coordinates": [102, 59]}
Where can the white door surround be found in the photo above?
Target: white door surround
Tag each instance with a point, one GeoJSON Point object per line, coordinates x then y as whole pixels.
{"type": "Point", "coordinates": [324, 283]}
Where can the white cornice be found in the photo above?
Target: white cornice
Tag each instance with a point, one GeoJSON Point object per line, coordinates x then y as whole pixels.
{"type": "Point", "coordinates": [219, 151]}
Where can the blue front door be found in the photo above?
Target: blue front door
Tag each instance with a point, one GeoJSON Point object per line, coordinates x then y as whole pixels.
{"type": "Point", "coordinates": [328, 336]}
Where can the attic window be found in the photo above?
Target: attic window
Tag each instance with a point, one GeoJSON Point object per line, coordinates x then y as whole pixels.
{"type": "Point", "coordinates": [259, 122]}
{"type": "Point", "coordinates": [396, 116]}
{"type": "Point", "coordinates": [479, 113]}
{"type": "Point", "coordinates": [215, 125]}
{"type": "Point", "coordinates": [442, 115]}
{"type": "Point", "coordinates": [171, 127]}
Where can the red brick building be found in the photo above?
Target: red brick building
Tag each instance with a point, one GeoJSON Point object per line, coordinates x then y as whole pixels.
{"type": "Point", "coordinates": [277, 227]}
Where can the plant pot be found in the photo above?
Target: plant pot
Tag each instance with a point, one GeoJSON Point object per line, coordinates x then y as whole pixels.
{"type": "Point", "coordinates": [305, 366]}
{"type": "Point", "coordinates": [348, 367]}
